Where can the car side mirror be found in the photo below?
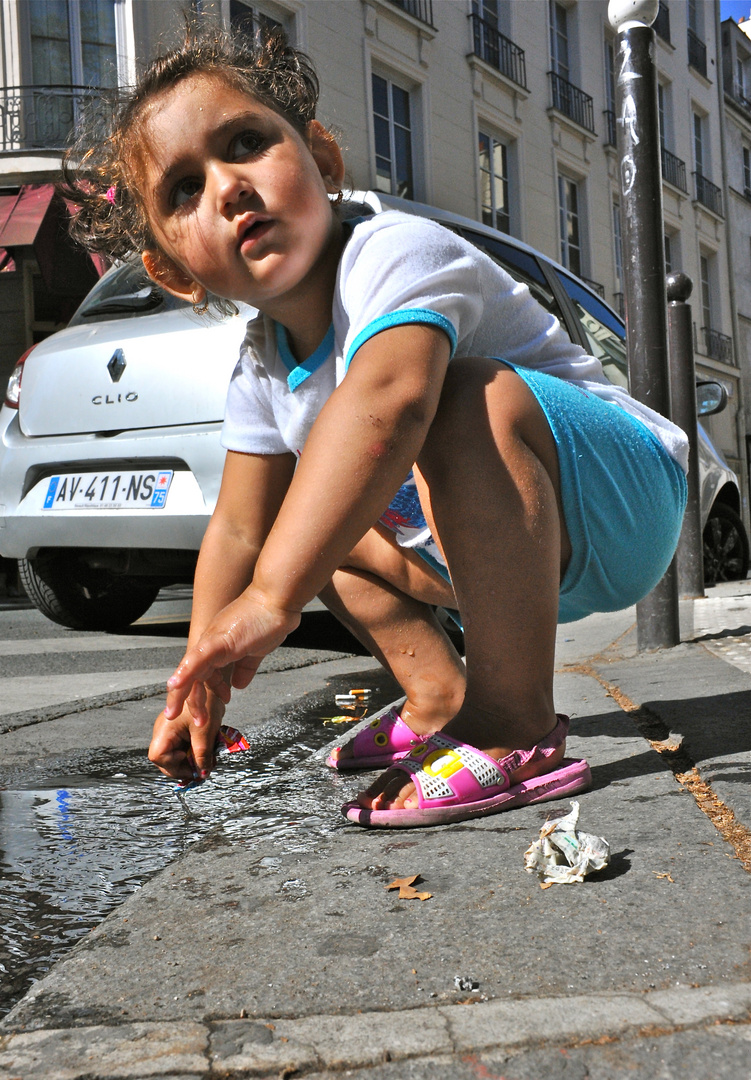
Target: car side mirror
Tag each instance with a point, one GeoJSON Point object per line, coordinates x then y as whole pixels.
{"type": "Point", "coordinates": [711, 398]}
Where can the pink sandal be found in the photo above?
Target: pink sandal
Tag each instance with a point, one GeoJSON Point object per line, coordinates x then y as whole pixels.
{"type": "Point", "coordinates": [385, 740]}
{"type": "Point", "coordinates": [454, 781]}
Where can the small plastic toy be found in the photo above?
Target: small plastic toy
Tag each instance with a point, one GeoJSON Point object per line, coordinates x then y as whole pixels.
{"type": "Point", "coordinates": [229, 740]}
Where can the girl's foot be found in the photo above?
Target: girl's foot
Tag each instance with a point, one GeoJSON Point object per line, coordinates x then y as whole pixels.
{"type": "Point", "coordinates": [393, 791]}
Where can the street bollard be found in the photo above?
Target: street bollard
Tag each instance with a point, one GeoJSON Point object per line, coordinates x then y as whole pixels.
{"type": "Point", "coordinates": [689, 557]}
{"type": "Point", "coordinates": [657, 619]}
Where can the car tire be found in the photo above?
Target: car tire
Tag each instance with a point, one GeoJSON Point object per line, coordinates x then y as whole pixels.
{"type": "Point", "coordinates": [726, 552]}
{"type": "Point", "coordinates": [70, 592]}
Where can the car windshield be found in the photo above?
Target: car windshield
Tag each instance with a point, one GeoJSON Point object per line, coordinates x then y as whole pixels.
{"type": "Point", "coordinates": [521, 266]}
{"type": "Point", "coordinates": [603, 331]}
{"type": "Point", "coordinates": [125, 292]}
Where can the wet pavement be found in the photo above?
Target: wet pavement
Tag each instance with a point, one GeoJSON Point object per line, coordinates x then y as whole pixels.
{"type": "Point", "coordinates": [271, 945]}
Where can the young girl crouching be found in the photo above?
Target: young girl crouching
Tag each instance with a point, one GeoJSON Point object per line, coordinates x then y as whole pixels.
{"type": "Point", "coordinates": [406, 427]}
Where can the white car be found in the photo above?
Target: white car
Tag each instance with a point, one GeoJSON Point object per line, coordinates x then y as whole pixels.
{"type": "Point", "coordinates": [110, 460]}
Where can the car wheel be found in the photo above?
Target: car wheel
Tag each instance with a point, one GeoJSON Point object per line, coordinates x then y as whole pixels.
{"type": "Point", "coordinates": [70, 592]}
{"type": "Point", "coordinates": [725, 546]}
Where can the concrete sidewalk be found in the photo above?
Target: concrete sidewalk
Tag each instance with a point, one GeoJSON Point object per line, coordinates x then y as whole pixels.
{"type": "Point", "coordinates": [255, 956]}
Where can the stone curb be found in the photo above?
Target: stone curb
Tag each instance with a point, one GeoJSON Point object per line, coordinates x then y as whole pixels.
{"type": "Point", "coordinates": [14, 721]}
{"type": "Point", "coordinates": [67, 708]}
{"type": "Point", "coordinates": [247, 1048]}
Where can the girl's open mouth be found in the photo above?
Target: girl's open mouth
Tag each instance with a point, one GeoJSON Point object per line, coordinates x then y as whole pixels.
{"type": "Point", "coordinates": [254, 232]}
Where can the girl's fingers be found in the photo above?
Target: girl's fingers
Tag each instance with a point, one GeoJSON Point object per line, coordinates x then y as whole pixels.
{"type": "Point", "coordinates": [244, 671]}
{"type": "Point", "coordinates": [219, 685]}
{"type": "Point", "coordinates": [175, 702]}
{"type": "Point", "coordinates": [197, 697]}
{"type": "Point", "coordinates": [203, 744]}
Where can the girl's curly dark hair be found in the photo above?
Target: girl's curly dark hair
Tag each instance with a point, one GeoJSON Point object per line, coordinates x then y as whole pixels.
{"type": "Point", "coordinates": [102, 170]}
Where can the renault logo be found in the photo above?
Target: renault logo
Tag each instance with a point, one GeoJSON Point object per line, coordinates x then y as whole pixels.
{"type": "Point", "coordinates": [116, 365]}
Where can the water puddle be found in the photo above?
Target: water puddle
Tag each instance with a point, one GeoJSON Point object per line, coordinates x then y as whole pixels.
{"type": "Point", "coordinates": [86, 832]}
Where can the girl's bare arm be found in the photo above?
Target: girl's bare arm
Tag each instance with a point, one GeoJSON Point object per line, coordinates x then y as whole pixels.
{"type": "Point", "coordinates": [252, 490]}
{"type": "Point", "coordinates": [361, 447]}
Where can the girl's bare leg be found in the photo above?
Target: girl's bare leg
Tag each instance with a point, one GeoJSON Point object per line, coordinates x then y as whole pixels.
{"type": "Point", "coordinates": [382, 596]}
{"type": "Point", "coordinates": [489, 479]}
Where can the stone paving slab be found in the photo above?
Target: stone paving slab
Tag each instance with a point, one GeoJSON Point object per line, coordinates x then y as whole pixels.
{"type": "Point", "coordinates": [455, 1035]}
{"type": "Point", "coordinates": [707, 701]}
{"type": "Point", "coordinates": [716, 1053]}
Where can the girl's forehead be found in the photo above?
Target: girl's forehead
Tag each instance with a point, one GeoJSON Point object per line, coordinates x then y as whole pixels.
{"type": "Point", "coordinates": [199, 89]}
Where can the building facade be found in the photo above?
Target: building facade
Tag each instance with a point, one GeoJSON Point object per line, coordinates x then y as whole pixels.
{"type": "Point", "coordinates": [501, 111]}
{"type": "Point", "coordinates": [736, 70]}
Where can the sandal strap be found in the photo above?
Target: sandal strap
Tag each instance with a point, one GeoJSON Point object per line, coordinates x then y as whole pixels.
{"type": "Point", "coordinates": [446, 771]}
{"type": "Point", "coordinates": [385, 734]}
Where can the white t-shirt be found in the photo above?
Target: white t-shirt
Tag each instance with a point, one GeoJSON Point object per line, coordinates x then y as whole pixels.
{"type": "Point", "coordinates": [397, 268]}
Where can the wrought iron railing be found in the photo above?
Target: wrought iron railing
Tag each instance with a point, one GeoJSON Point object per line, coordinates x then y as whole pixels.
{"type": "Point", "coordinates": [611, 128]}
{"type": "Point", "coordinates": [418, 9]}
{"type": "Point", "coordinates": [498, 51]}
{"type": "Point", "coordinates": [595, 286]}
{"type": "Point", "coordinates": [738, 94]}
{"type": "Point", "coordinates": [662, 22]}
{"type": "Point", "coordinates": [697, 53]}
{"type": "Point", "coordinates": [43, 117]}
{"type": "Point", "coordinates": [572, 102]}
{"type": "Point", "coordinates": [673, 170]}
{"type": "Point", "coordinates": [716, 345]}
{"type": "Point", "coordinates": [708, 194]}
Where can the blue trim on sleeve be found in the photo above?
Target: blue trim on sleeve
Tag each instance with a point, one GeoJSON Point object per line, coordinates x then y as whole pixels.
{"type": "Point", "coordinates": [400, 318]}
{"type": "Point", "coordinates": [298, 373]}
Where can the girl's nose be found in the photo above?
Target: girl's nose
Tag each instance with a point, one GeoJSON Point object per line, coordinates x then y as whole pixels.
{"type": "Point", "coordinates": [231, 184]}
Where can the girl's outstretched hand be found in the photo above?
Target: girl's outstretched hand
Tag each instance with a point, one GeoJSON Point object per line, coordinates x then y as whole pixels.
{"type": "Point", "coordinates": [237, 639]}
{"type": "Point", "coordinates": [172, 740]}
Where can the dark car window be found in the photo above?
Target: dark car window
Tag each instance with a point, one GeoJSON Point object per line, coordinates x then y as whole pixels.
{"type": "Point", "coordinates": [604, 332]}
{"type": "Point", "coordinates": [127, 292]}
{"type": "Point", "coordinates": [520, 265]}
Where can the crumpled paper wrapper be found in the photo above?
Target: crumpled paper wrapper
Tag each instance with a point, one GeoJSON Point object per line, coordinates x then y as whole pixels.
{"type": "Point", "coordinates": [563, 855]}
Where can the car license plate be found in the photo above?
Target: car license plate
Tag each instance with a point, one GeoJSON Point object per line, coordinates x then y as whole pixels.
{"type": "Point", "coordinates": [145, 490]}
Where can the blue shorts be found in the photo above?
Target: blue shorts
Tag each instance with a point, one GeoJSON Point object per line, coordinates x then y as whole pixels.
{"type": "Point", "coordinates": [623, 498]}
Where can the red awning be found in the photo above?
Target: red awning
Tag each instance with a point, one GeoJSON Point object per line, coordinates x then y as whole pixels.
{"type": "Point", "coordinates": [21, 215]}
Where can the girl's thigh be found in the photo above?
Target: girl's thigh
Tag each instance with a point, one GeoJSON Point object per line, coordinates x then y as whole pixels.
{"type": "Point", "coordinates": [623, 498]}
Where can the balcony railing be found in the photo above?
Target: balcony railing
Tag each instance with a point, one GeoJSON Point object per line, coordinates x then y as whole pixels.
{"type": "Point", "coordinates": [738, 94]}
{"type": "Point", "coordinates": [716, 345]}
{"type": "Point", "coordinates": [42, 117]}
{"type": "Point", "coordinates": [708, 194]}
{"type": "Point", "coordinates": [662, 22]}
{"type": "Point", "coordinates": [498, 51]}
{"type": "Point", "coordinates": [418, 9]}
{"type": "Point", "coordinates": [595, 286]}
{"type": "Point", "coordinates": [572, 102]}
{"type": "Point", "coordinates": [697, 53]}
{"type": "Point", "coordinates": [611, 128]}
{"type": "Point", "coordinates": [673, 170]}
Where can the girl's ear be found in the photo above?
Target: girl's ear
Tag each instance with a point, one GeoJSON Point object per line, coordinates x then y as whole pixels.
{"type": "Point", "coordinates": [168, 274]}
{"type": "Point", "coordinates": [327, 155]}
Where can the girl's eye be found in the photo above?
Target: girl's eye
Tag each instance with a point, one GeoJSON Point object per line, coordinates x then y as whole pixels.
{"type": "Point", "coordinates": [185, 191]}
{"type": "Point", "coordinates": [249, 142]}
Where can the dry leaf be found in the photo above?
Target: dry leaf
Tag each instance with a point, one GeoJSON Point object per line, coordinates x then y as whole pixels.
{"type": "Point", "coordinates": [671, 880]}
{"type": "Point", "coordinates": [406, 890]}
{"type": "Point", "coordinates": [400, 882]}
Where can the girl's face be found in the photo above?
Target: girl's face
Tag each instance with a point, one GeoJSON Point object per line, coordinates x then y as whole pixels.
{"type": "Point", "coordinates": [237, 198]}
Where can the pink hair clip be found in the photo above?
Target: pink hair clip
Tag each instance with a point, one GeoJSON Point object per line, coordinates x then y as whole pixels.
{"type": "Point", "coordinates": [110, 196]}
